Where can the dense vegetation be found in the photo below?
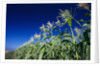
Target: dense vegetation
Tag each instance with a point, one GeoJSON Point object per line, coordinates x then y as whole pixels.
{"type": "Point", "coordinates": [63, 46]}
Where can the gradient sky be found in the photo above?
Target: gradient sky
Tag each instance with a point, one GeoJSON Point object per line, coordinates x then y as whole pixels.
{"type": "Point", "coordinates": [24, 20]}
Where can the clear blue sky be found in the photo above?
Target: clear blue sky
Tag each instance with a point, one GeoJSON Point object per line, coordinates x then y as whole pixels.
{"type": "Point", "coordinates": [24, 20]}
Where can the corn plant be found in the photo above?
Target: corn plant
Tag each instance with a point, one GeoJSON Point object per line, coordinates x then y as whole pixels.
{"type": "Point", "coordinates": [64, 46]}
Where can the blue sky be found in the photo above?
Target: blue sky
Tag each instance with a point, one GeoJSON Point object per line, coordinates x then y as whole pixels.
{"type": "Point", "coordinates": [24, 20]}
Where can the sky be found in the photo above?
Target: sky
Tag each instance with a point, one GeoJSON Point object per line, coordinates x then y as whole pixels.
{"type": "Point", "coordinates": [24, 20]}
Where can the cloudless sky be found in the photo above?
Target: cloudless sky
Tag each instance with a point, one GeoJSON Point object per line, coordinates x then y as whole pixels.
{"type": "Point", "coordinates": [24, 20]}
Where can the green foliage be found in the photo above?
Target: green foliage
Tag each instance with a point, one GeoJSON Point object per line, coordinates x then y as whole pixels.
{"type": "Point", "coordinates": [41, 53]}
{"type": "Point", "coordinates": [88, 22]}
{"type": "Point", "coordinates": [81, 20]}
{"type": "Point", "coordinates": [64, 23]}
{"type": "Point", "coordinates": [47, 30]}
{"type": "Point", "coordinates": [10, 55]}
{"type": "Point", "coordinates": [69, 22]}
{"type": "Point", "coordinates": [54, 27]}
{"type": "Point", "coordinates": [87, 15]}
{"type": "Point", "coordinates": [58, 47]}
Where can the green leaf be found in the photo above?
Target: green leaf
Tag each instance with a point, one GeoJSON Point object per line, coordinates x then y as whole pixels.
{"type": "Point", "coordinates": [47, 30]}
{"type": "Point", "coordinates": [88, 22]}
{"type": "Point", "coordinates": [44, 37]}
{"type": "Point", "coordinates": [69, 22]}
{"type": "Point", "coordinates": [66, 29]}
{"type": "Point", "coordinates": [41, 53]}
{"type": "Point", "coordinates": [77, 55]}
{"type": "Point", "coordinates": [28, 54]}
{"type": "Point", "coordinates": [88, 52]}
{"type": "Point", "coordinates": [64, 23]}
{"type": "Point", "coordinates": [57, 41]}
{"type": "Point", "coordinates": [53, 53]}
{"type": "Point", "coordinates": [67, 57]}
{"type": "Point", "coordinates": [54, 27]}
{"type": "Point", "coordinates": [81, 20]}
{"type": "Point", "coordinates": [69, 36]}
{"type": "Point", "coordinates": [87, 14]}
{"type": "Point", "coordinates": [66, 20]}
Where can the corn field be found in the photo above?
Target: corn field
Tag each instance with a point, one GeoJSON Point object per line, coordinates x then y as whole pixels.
{"type": "Point", "coordinates": [70, 44]}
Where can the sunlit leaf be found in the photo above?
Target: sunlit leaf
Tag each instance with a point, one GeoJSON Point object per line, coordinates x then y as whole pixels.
{"type": "Point", "coordinates": [81, 20]}
{"type": "Point", "coordinates": [77, 55]}
{"type": "Point", "coordinates": [41, 53]}
{"type": "Point", "coordinates": [69, 22]}
{"type": "Point", "coordinates": [54, 27]}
